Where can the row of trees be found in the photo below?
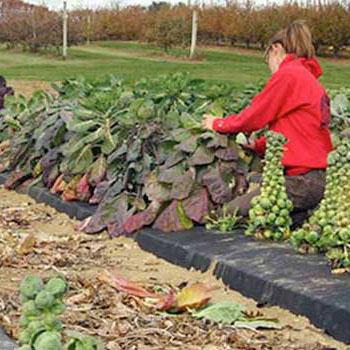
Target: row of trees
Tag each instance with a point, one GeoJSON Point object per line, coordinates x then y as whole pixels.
{"type": "Point", "coordinates": [235, 23]}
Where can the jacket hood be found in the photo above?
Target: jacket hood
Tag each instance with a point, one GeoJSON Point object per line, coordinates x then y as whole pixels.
{"type": "Point", "coordinates": [311, 64]}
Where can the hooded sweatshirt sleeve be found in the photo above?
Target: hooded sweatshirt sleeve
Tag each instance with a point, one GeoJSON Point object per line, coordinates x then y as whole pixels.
{"type": "Point", "coordinates": [265, 108]}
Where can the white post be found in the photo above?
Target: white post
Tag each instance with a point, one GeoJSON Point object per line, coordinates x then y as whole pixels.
{"type": "Point", "coordinates": [65, 30]}
{"type": "Point", "coordinates": [194, 33]}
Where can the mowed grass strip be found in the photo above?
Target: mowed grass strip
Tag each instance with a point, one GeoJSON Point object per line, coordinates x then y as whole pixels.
{"type": "Point", "coordinates": [134, 60]}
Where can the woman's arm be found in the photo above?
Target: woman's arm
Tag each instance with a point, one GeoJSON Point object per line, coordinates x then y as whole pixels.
{"type": "Point", "coordinates": [264, 108]}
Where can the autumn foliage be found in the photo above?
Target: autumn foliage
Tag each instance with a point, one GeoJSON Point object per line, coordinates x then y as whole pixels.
{"type": "Point", "coordinates": [243, 24]}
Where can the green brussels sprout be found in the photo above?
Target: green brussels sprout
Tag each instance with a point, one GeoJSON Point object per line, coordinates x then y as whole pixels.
{"type": "Point", "coordinates": [56, 286]}
{"type": "Point", "coordinates": [312, 237]}
{"type": "Point", "coordinates": [345, 262]}
{"type": "Point", "coordinates": [48, 341]}
{"type": "Point", "coordinates": [78, 341]}
{"type": "Point", "coordinates": [58, 307]}
{"type": "Point", "coordinates": [24, 337]}
{"type": "Point", "coordinates": [271, 218]}
{"type": "Point", "coordinates": [265, 203]}
{"type": "Point", "coordinates": [44, 300]}
{"type": "Point", "coordinates": [52, 323]}
{"type": "Point", "coordinates": [275, 209]}
{"type": "Point", "coordinates": [280, 221]}
{"type": "Point", "coordinates": [24, 321]}
{"type": "Point", "coordinates": [30, 309]}
{"type": "Point", "coordinates": [31, 286]}
{"type": "Point", "coordinates": [36, 326]}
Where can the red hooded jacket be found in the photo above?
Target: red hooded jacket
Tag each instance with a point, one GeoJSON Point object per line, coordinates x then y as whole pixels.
{"type": "Point", "coordinates": [295, 104]}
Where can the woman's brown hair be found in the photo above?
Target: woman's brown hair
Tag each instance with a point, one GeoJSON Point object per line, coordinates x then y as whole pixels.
{"type": "Point", "coordinates": [296, 39]}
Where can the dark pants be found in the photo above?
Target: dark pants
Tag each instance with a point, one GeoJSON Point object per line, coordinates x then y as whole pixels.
{"type": "Point", "coordinates": [305, 191]}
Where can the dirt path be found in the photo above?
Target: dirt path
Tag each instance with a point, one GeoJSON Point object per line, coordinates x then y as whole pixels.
{"type": "Point", "coordinates": [123, 322]}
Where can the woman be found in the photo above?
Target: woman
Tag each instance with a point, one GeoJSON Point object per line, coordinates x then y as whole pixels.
{"type": "Point", "coordinates": [295, 104]}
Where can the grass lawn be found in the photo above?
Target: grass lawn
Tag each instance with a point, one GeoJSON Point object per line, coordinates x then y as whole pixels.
{"type": "Point", "coordinates": [133, 60]}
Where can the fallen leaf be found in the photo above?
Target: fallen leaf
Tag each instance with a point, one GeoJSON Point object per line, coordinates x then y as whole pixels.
{"type": "Point", "coordinates": [167, 302]}
{"type": "Point", "coordinates": [126, 286]}
{"type": "Point", "coordinates": [225, 312]}
{"type": "Point", "coordinates": [193, 297]}
{"type": "Point", "coordinates": [27, 244]}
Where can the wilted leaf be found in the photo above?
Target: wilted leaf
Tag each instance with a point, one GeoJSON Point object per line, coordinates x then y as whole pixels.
{"type": "Point", "coordinates": [107, 212]}
{"type": "Point", "coordinates": [27, 244]}
{"type": "Point", "coordinates": [219, 190]}
{"type": "Point", "coordinates": [197, 205]}
{"type": "Point", "coordinates": [134, 151]}
{"type": "Point", "coordinates": [180, 135]}
{"type": "Point", "coordinates": [202, 156]}
{"type": "Point", "coordinates": [124, 285]}
{"type": "Point", "coordinates": [167, 302]}
{"type": "Point", "coordinates": [49, 159]}
{"type": "Point", "coordinates": [97, 171]}
{"type": "Point", "coordinates": [174, 159]}
{"type": "Point", "coordinates": [217, 140]}
{"type": "Point", "coordinates": [182, 186]}
{"type": "Point", "coordinates": [154, 190]}
{"type": "Point", "coordinates": [169, 219]}
{"type": "Point", "coordinates": [83, 189]}
{"type": "Point", "coordinates": [59, 185]}
{"type": "Point", "coordinates": [185, 221]}
{"type": "Point", "coordinates": [122, 150]}
{"type": "Point", "coordinates": [50, 175]}
{"type": "Point", "coordinates": [70, 191]}
{"type": "Point", "coordinates": [116, 227]}
{"type": "Point", "coordinates": [227, 154]}
{"type": "Point", "coordinates": [225, 312]}
{"type": "Point", "coordinates": [193, 297]}
{"type": "Point", "coordinates": [121, 214]}
{"type": "Point", "coordinates": [99, 192]}
{"type": "Point", "coordinates": [142, 219]}
{"type": "Point", "coordinates": [189, 145]}
{"type": "Point", "coordinates": [169, 176]}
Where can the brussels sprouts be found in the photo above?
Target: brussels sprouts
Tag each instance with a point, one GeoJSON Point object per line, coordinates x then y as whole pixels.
{"type": "Point", "coordinates": [58, 308]}
{"type": "Point", "coordinates": [31, 286]}
{"type": "Point", "coordinates": [56, 286]}
{"type": "Point", "coordinates": [30, 309]}
{"type": "Point", "coordinates": [44, 300]}
{"type": "Point", "coordinates": [328, 229]}
{"type": "Point", "coordinates": [48, 341]}
{"type": "Point", "coordinates": [52, 323]}
{"type": "Point", "coordinates": [24, 321]}
{"type": "Point", "coordinates": [24, 337]}
{"type": "Point", "coordinates": [35, 327]}
{"type": "Point", "coordinates": [269, 215]}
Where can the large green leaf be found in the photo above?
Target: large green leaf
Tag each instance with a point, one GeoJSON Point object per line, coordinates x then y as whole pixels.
{"type": "Point", "coordinates": [226, 312]}
{"type": "Point", "coordinates": [80, 126]}
{"type": "Point", "coordinates": [108, 143]}
{"type": "Point", "coordinates": [82, 161]}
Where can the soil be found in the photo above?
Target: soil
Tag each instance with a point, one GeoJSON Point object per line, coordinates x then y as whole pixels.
{"type": "Point", "coordinates": [34, 238]}
{"type": "Point", "coordinates": [27, 87]}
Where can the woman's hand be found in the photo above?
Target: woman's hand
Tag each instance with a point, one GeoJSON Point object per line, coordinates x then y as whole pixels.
{"type": "Point", "coordinates": [208, 121]}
